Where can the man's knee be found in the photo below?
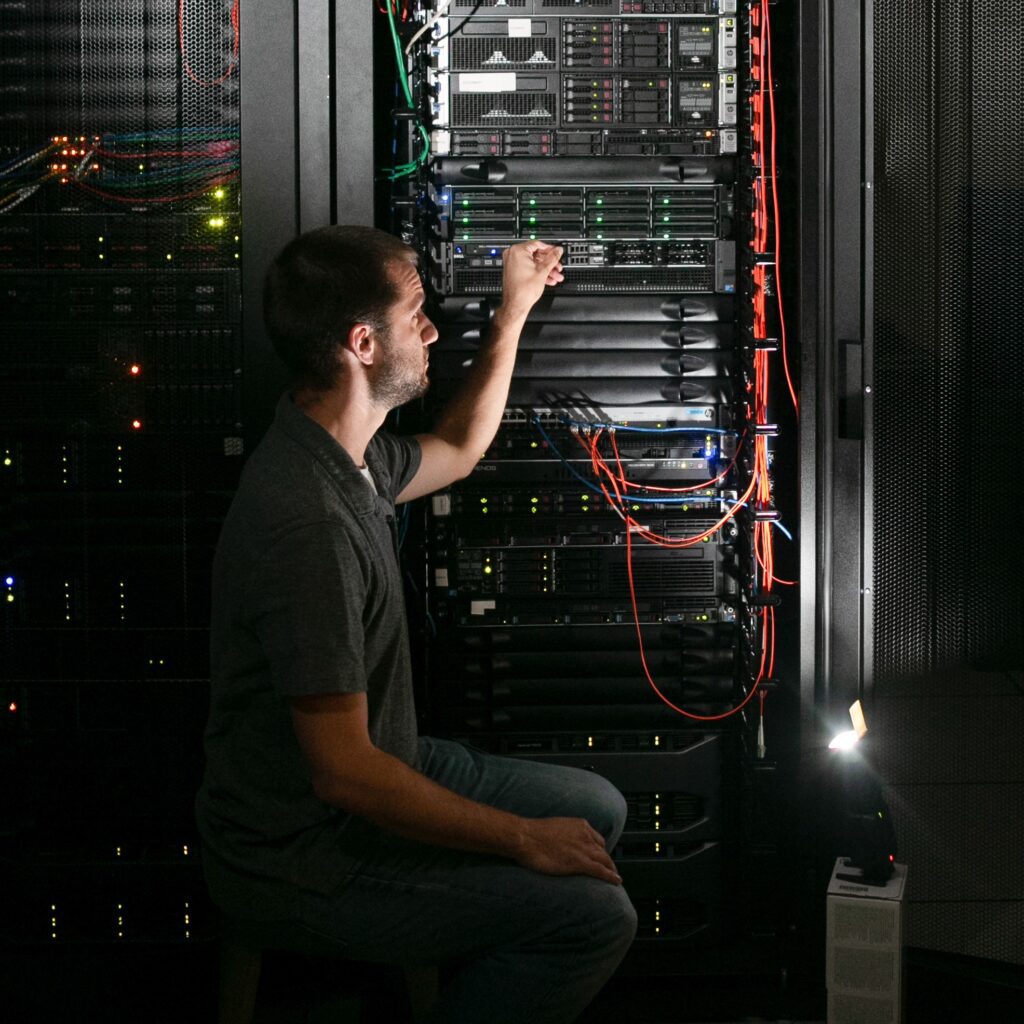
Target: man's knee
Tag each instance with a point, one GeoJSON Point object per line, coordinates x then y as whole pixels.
{"type": "Point", "coordinates": [608, 917]}
{"type": "Point", "coordinates": [608, 808]}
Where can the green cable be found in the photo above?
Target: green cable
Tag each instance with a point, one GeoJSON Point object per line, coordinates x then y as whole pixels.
{"type": "Point", "coordinates": [404, 170]}
{"type": "Point", "coordinates": [398, 55]}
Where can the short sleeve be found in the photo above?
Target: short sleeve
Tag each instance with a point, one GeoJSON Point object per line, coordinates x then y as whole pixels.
{"type": "Point", "coordinates": [311, 595]}
{"type": "Point", "coordinates": [400, 458]}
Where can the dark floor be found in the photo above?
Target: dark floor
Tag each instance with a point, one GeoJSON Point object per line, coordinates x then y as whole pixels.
{"type": "Point", "coordinates": [176, 985]}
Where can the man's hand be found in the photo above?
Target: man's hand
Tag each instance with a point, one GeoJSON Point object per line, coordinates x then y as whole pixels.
{"type": "Point", "coordinates": [528, 268]}
{"type": "Point", "coordinates": [566, 846]}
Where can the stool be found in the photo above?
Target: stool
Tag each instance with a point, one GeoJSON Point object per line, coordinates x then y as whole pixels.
{"type": "Point", "coordinates": [242, 946]}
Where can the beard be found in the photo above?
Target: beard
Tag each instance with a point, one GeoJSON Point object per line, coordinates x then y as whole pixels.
{"type": "Point", "coordinates": [396, 381]}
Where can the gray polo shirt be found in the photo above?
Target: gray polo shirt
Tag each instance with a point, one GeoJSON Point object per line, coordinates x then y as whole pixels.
{"type": "Point", "coordinates": [307, 599]}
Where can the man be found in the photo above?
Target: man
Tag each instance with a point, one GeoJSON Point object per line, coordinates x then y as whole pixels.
{"type": "Point", "coordinates": [320, 809]}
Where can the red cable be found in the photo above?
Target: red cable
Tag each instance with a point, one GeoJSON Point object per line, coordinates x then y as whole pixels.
{"type": "Point", "coordinates": [219, 149]}
{"type": "Point", "coordinates": [643, 657]}
{"type": "Point", "coordinates": [775, 200]}
{"type": "Point", "coordinates": [677, 490]}
{"type": "Point", "coordinates": [234, 48]}
{"type": "Point", "coordinates": [159, 199]}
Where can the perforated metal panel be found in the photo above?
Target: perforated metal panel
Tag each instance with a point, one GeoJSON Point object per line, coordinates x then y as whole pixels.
{"type": "Point", "coordinates": [949, 394]}
{"type": "Point", "coordinates": [495, 52]}
{"type": "Point", "coordinates": [516, 109]}
{"type": "Point", "coordinates": [948, 360]}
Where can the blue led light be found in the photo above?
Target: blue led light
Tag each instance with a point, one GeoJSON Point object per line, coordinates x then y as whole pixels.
{"type": "Point", "coordinates": [9, 581]}
{"type": "Point", "coordinates": [494, 252]}
{"type": "Point", "coordinates": [458, 250]}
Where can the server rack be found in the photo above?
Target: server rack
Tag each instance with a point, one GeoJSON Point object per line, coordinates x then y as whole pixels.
{"type": "Point", "coordinates": [121, 438]}
{"type": "Point", "coordinates": [639, 137]}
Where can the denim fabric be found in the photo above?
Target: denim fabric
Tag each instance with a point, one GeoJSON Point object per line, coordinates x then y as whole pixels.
{"type": "Point", "coordinates": [529, 948]}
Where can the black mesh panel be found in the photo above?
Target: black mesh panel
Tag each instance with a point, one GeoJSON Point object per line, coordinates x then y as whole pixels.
{"type": "Point", "coordinates": [949, 368]}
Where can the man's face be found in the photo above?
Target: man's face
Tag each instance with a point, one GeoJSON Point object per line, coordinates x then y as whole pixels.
{"type": "Point", "coordinates": [400, 375]}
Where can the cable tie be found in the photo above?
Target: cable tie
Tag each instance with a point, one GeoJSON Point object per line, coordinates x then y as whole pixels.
{"type": "Point", "coordinates": [405, 114]}
{"type": "Point", "coordinates": [766, 429]}
{"type": "Point", "coordinates": [764, 599]}
{"type": "Point", "coordinates": [766, 344]}
{"type": "Point", "coordinates": [766, 515]}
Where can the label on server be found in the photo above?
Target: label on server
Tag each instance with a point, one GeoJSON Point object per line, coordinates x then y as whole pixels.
{"type": "Point", "coordinates": [695, 45]}
{"type": "Point", "coordinates": [496, 81]}
{"type": "Point", "coordinates": [696, 100]}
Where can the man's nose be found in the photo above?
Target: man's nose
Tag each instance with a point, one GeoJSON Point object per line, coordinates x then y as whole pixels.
{"type": "Point", "coordinates": [429, 333]}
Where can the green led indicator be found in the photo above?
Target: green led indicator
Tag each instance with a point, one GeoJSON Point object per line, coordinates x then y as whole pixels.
{"type": "Point", "coordinates": [465, 202]}
{"type": "Point", "coordinates": [600, 220]}
{"type": "Point", "coordinates": [465, 220]}
{"type": "Point", "coordinates": [600, 202]}
{"type": "Point", "coordinates": [533, 202]}
{"type": "Point", "coordinates": [664, 202]}
{"type": "Point", "coordinates": [533, 220]}
{"type": "Point", "coordinates": [483, 501]}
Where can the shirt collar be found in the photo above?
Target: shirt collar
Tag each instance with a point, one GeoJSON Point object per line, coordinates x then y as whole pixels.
{"type": "Point", "coordinates": [336, 460]}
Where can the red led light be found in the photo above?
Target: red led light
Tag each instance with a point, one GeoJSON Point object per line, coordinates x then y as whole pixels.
{"type": "Point", "coordinates": [136, 424]}
{"type": "Point", "coordinates": [12, 707]}
{"type": "Point", "coordinates": [135, 369]}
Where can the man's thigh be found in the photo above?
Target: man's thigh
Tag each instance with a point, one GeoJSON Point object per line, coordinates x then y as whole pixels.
{"type": "Point", "coordinates": [527, 788]}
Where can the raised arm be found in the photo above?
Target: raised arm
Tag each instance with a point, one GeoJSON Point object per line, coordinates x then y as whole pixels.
{"type": "Point", "coordinates": [468, 422]}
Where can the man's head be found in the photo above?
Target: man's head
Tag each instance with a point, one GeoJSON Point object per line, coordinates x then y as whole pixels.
{"type": "Point", "coordinates": [330, 288]}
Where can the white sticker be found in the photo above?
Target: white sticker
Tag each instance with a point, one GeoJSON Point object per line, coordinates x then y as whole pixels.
{"type": "Point", "coordinates": [519, 27]}
{"type": "Point", "coordinates": [440, 577]}
{"type": "Point", "coordinates": [481, 607]}
{"type": "Point", "coordinates": [500, 81]}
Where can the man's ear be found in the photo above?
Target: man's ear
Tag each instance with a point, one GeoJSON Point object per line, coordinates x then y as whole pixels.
{"type": "Point", "coordinates": [362, 343]}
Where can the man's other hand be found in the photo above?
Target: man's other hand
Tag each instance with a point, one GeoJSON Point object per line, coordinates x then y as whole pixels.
{"type": "Point", "coordinates": [566, 846]}
{"type": "Point", "coordinates": [528, 268]}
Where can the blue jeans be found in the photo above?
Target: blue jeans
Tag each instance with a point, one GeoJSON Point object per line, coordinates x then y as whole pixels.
{"type": "Point", "coordinates": [529, 948]}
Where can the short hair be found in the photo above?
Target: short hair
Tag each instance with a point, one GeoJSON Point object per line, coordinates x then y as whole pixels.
{"type": "Point", "coordinates": [319, 287]}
